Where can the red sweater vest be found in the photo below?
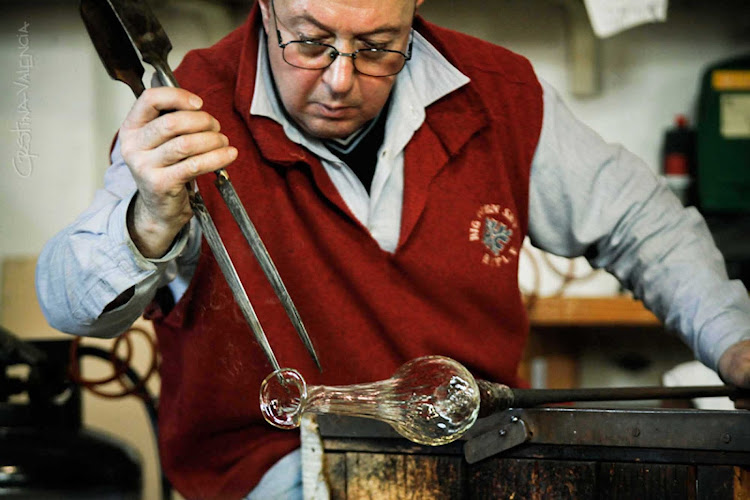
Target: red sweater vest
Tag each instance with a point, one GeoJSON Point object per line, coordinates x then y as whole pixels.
{"type": "Point", "coordinates": [450, 288]}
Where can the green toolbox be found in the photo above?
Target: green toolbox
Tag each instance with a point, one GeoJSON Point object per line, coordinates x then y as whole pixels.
{"type": "Point", "coordinates": [724, 138]}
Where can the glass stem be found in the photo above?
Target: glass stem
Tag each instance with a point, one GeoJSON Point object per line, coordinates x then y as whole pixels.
{"type": "Point", "coordinates": [360, 400]}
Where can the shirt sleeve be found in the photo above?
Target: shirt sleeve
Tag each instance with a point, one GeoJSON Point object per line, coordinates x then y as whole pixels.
{"type": "Point", "coordinates": [88, 264]}
{"type": "Point", "coordinates": [589, 198]}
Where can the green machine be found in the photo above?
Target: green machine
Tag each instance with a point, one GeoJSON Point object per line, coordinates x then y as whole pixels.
{"type": "Point", "coordinates": [724, 138]}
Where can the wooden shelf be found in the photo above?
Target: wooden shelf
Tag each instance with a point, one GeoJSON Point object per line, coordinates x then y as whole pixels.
{"type": "Point", "coordinates": [590, 311]}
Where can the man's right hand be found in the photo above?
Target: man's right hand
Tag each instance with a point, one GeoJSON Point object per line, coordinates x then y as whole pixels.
{"type": "Point", "coordinates": [164, 152]}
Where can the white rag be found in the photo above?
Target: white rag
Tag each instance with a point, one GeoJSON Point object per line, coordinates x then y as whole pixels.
{"type": "Point", "coordinates": [609, 17]}
{"type": "Point", "coordinates": [695, 373]}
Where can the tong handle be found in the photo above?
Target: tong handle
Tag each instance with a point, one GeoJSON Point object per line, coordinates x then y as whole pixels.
{"type": "Point", "coordinates": [225, 187]}
{"type": "Point", "coordinates": [230, 274]}
{"type": "Point", "coordinates": [166, 78]}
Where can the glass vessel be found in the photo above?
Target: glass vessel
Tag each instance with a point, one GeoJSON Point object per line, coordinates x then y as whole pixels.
{"type": "Point", "coordinates": [432, 400]}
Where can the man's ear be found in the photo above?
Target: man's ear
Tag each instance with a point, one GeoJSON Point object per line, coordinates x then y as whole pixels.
{"type": "Point", "coordinates": [265, 12]}
{"type": "Point", "coordinates": [419, 2]}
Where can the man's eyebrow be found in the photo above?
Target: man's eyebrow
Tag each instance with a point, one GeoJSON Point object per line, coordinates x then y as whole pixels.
{"type": "Point", "coordinates": [389, 30]}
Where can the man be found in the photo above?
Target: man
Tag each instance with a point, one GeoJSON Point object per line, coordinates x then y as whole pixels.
{"type": "Point", "coordinates": [392, 168]}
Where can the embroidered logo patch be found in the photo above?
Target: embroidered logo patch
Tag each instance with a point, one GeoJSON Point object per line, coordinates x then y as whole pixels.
{"type": "Point", "coordinates": [495, 227]}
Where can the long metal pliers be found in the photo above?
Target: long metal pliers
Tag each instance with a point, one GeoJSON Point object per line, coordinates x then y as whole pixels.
{"type": "Point", "coordinates": [120, 30]}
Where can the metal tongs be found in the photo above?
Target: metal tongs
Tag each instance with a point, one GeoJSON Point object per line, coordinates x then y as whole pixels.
{"type": "Point", "coordinates": [119, 27]}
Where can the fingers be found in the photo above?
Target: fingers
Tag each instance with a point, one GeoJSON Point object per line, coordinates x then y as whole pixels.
{"type": "Point", "coordinates": [195, 165]}
{"type": "Point", "coordinates": [734, 364]}
{"type": "Point", "coordinates": [185, 157]}
{"type": "Point", "coordinates": [184, 146]}
{"type": "Point", "coordinates": [734, 367]}
{"type": "Point", "coordinates": [148, 125]}
{"type": "Point", "coordinates": [166, 179]}
{"type": "Point", "coordinates": [187, 139]}
{"type": "Point", "coordinates": [165, 127]}
{"type": "Point", "coordinates": [157, 100]}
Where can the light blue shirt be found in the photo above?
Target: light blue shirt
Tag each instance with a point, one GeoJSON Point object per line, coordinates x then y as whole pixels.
{"type": "Point", "coordinates": [584, 194]}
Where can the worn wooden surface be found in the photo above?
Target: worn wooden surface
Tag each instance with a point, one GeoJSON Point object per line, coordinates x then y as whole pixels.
{"type": "Point", "coordinates": [742, 483]}
{"type": "Point", "coordinates": [335, 473]}
{"type": "Point", "coordinates": [715, 482]}
{"type": "Point", "coordinates": [522, 478]}
{"type": "Point", "coordinates": [370, 474]}
{"type": "Point", "coordinates": [620, 481]}
{"type": "Point", "coordinates": [359, 476]}
{"type": "Point", "coordinates": [367, 459]}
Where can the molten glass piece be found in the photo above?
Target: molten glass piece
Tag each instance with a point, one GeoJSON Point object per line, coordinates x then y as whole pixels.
{"type": "Point", "coordinates": [431, 400]}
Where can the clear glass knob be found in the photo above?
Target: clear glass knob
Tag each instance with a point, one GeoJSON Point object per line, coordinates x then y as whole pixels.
{"type": "Point", "coordinates": [283, 397]}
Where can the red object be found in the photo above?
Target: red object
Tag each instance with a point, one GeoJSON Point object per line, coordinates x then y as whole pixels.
{"type": "Point", "coordinates": [678, 148]}
{"type": "Point", "coordinates": [676, 164]}
{"type": "Point", "coordinates": [444, 291]}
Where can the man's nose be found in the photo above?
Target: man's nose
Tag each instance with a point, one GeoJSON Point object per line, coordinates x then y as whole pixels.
{"type": "Point", "coordinates": [339, 76]}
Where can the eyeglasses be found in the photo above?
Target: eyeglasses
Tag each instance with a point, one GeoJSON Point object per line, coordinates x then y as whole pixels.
{"type": "Point", "coordinates": [307, 54]}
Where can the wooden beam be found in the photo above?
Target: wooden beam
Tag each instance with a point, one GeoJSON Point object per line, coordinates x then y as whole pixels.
{"type": "Point", "coordinates": [590, 311]}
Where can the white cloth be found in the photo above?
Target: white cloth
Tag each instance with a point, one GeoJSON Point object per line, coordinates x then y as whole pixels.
{"type": "Point", "coordinates": [695, 373]}
{"type": "Point", "coordinates": [609, 17]}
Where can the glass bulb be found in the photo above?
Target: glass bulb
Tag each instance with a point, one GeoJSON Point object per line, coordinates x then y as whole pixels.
{"type": "Point", "coordinates": [432, 400]}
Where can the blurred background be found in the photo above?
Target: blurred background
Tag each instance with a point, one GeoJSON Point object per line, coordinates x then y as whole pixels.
{"type": "Point", "coordinates": [59, 111]}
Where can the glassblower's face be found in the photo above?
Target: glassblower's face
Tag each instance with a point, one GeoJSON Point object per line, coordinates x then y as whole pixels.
{"type": "Point", "coordinates": [336, 101]}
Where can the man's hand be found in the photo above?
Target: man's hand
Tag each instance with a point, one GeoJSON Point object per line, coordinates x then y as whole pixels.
{"type": "Point", "coordinates": [734, 368]}
{"type": "Point", "coordinates": [164, 152]}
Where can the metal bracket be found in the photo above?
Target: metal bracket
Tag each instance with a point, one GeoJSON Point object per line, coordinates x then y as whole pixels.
{"type": "Point", "coordinates": [699, 430]}
{"type": "Point", "coordinates": [509, 435]}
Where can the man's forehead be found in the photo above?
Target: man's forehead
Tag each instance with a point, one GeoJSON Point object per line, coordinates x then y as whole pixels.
{"type": "Point", "coordinates": [374, 11]}
{"type": "Point", "coordinates": [390, 4]}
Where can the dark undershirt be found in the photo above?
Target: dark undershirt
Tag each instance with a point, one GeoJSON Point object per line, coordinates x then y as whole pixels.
{"type": "Point", "coordinates": [360, 151]}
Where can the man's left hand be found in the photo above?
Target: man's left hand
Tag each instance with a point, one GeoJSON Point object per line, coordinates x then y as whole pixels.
{"type": "Point", "coordinates": [734, 368]}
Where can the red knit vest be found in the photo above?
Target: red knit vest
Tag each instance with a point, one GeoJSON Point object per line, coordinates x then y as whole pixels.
{"type": "Point", "coordinates": [450, 288]}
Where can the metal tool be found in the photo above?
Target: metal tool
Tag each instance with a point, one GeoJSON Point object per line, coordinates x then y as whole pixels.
{"type": "Point", "coordinates": [119, 27]}
{"type": "Point", "coordinates": [498, 397]}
